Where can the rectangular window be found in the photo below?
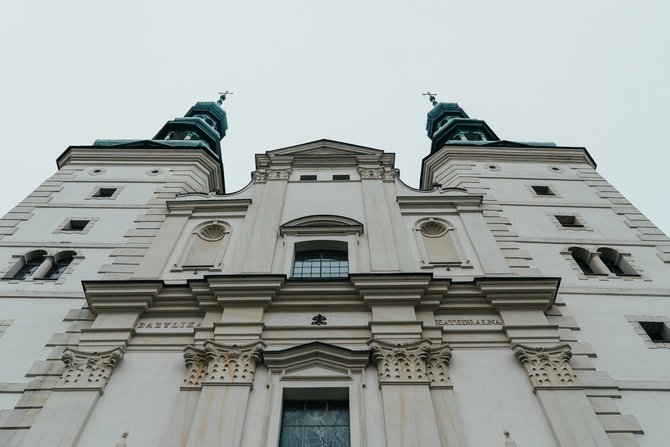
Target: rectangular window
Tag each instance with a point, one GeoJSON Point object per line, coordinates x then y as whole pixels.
{"type": "Point", "coordinates": [543, 190]}
{"type": "Point", "coordinates": [656, 330]}
{"type": "Point", "coordinates": [569, 221]}
{"type": "Point", "coordinates": [341, 177]}
{"type": "Point", "coordinates": [307, 177]}
{"type": "Point", "coordinates": [318, 423]}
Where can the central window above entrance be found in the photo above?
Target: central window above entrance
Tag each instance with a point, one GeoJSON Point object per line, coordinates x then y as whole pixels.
{"type": "Point", "coordinates": [321, 263]}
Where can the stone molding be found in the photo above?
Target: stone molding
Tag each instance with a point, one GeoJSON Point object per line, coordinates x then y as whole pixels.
{"type": "Point", "coordinates": [221, 364]}
{"type": "Point", "coordinates": [272, 174]}
{"type": "Point", "coordinates": [88, 370]}
{"type": "Point", "coordinates": [414, 362]}
{"type": "Point", "coordinates": [547, 367]}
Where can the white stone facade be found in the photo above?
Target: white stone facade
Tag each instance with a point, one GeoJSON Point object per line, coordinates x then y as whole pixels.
{"type": "Point", "coordinates": [515, 299]}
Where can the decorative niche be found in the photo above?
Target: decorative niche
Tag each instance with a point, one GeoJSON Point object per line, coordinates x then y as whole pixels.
{"type": "Point", "coordinates": [438, 244]}
{"type": "Point", "coordinates": [205, 247]}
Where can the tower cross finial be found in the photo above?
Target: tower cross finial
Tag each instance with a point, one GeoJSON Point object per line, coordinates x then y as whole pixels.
{"type": "Point", "coordinates": [223, 96]}
{"type": "Point", "coordinates": [431, 97]}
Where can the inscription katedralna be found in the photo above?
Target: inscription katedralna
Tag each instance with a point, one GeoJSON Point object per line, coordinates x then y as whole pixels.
{"type": "Point", "coordinates": [480, 322]}
{"type": "Point", "coordinates": [169, 325]}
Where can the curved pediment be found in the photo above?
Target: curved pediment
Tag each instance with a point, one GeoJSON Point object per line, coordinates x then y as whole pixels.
{"type": "Point", "coordinates": [322, 224]}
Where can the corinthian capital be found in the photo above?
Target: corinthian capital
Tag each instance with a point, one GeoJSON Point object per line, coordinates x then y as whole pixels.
{"type": "Point", "coordinates": [401, 362]}
{"type": "Point", "coordinates": [547, 367]}
{"type": "Point", "coordinates": [195, 361]}
{"type": "Point", "coordinates": [231, 363]}
{"type": "Point", "coordinates": [438, 366]}
{"type": "Point", "coordinates": [88, 369]}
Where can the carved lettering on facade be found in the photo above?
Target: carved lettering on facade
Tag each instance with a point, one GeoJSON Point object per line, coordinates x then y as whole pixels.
{"type": "Point", "coordinates": [547, 367]}
{"type": "Point", "coordinates": [219, 363]}
{"type": "Point", "coordinates": [469, 322]}
{"type": "Point", "coordinates": [168, 324]}
{"type": "Point", "coordinates": [401, 362]}
{"type": "Point", "coordinates": [88, 369]}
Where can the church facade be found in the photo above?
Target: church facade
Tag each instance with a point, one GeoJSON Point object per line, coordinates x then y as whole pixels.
{"type": "Point", "coordinates": [514, 299]}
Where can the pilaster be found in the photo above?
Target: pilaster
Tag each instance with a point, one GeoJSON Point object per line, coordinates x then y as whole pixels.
{"type": "Point", "coordinates": [566, 407]}
{"type": "Point", "coordinates": [225, 374]}
{"type": "Point", "coordinates": [66, 412]}
{"type": "Point", "coordinates": [405, 372]}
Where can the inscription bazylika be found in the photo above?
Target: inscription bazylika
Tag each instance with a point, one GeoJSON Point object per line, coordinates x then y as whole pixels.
{"type": "Point", "coordinates": [482, 322]}
{"type": "Point", "coordinates": [88, 369]}
{"type": "Point", "coordinates": [169, 325]}
{"type": "Point", "coordinates": [411, 362]}
{"type": "Point", "coordinates": [547, 367]}
{"type": "Point", "coordinates": [216, 362]}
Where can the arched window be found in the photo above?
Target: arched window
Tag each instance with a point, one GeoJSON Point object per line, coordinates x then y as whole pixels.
{"type": "Point", "coordinates": [582, 258]}
{"type": "Point", "coordinates": [61, 262]}
{"type": "Point", "coordinates": [320, 259]}
{"type": "Point", "coordinates": [31, 263]}
{"type": "Point", "coordinates": [615, 262]}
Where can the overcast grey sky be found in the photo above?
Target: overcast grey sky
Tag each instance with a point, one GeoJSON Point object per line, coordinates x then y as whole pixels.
{"type": "Point", "coordinates": [578, 73]}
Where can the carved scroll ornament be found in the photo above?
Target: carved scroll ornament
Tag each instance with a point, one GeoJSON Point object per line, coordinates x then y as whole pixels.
{"type": "Point", "coordinates": [547, 367]}
{"type": "Point", "coordinates": [219, 363]}
{"type": "Point", "coordinates": [88, 369]}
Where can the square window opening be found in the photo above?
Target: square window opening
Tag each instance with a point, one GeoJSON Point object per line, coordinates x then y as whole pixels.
{"type": "Point", "coordinates": [569, 221]}
{"type": "Point", "coordinates": [656, 330]}
{"type": "Point", "coordinates": [105, 192]}
{"type": "Point", "coordinates": [76, 225]}
{"type": "Point", "coordinates": [543, 190]}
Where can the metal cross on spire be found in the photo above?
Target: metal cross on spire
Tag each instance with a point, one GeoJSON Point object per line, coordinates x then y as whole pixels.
{"type": "Point", "coordinates": [431, 97]}
{"type": "Point", "coordinates": [223, 96]}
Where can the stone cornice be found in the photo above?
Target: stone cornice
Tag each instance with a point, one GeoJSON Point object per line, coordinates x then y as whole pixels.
{"type": "Point", "coordinates": [125, 156]}
{"type": "Point", "coordinates": [393, 289]}
{"type": "Point", "coordinates": [325, 153]}
{"type": "Point", "coordinates": [444, 201]}
{"type": "Point", "coordinates": [121, 296]}
{"type": "Point", "coordinates": [535, 154]}
{"type": "Point", "coordinates": [519, 293]}
{"type": "Point", "coordinates": [209, 204]}
{"type": "Point", "coordinates": [237, 290]}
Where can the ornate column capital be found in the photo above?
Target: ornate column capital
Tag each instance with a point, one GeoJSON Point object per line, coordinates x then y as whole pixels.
{"type": "Point", "coordinates": [547, 367]}
{"type": "Point", "coordinates": [400, 362]}
{"type": "Point", "coordinates": [272, 174]}
{"type": "Point", "coordinates": [438, 366]}
{"type": "Point", "coordinates": [376, 173]}
{"type": "Point", "coordinates": [222, 364]}
{"type": "Point", "coordinates": [88, 370]}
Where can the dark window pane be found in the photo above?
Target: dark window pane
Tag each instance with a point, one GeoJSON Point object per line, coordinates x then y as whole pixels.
{"type": "Point", "coordinates": [320, 264]}
{"type": "Point", "coordinates": [29, 268]}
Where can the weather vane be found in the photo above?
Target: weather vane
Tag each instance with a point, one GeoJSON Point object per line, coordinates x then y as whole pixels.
{"type": "Point", "coordinates": [431, 97]}
{"type": "Point", "coordinates": [223, 96]}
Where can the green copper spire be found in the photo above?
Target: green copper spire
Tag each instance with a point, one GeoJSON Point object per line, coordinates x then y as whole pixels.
{"type": "Point", "coordinates": [447, 123]}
